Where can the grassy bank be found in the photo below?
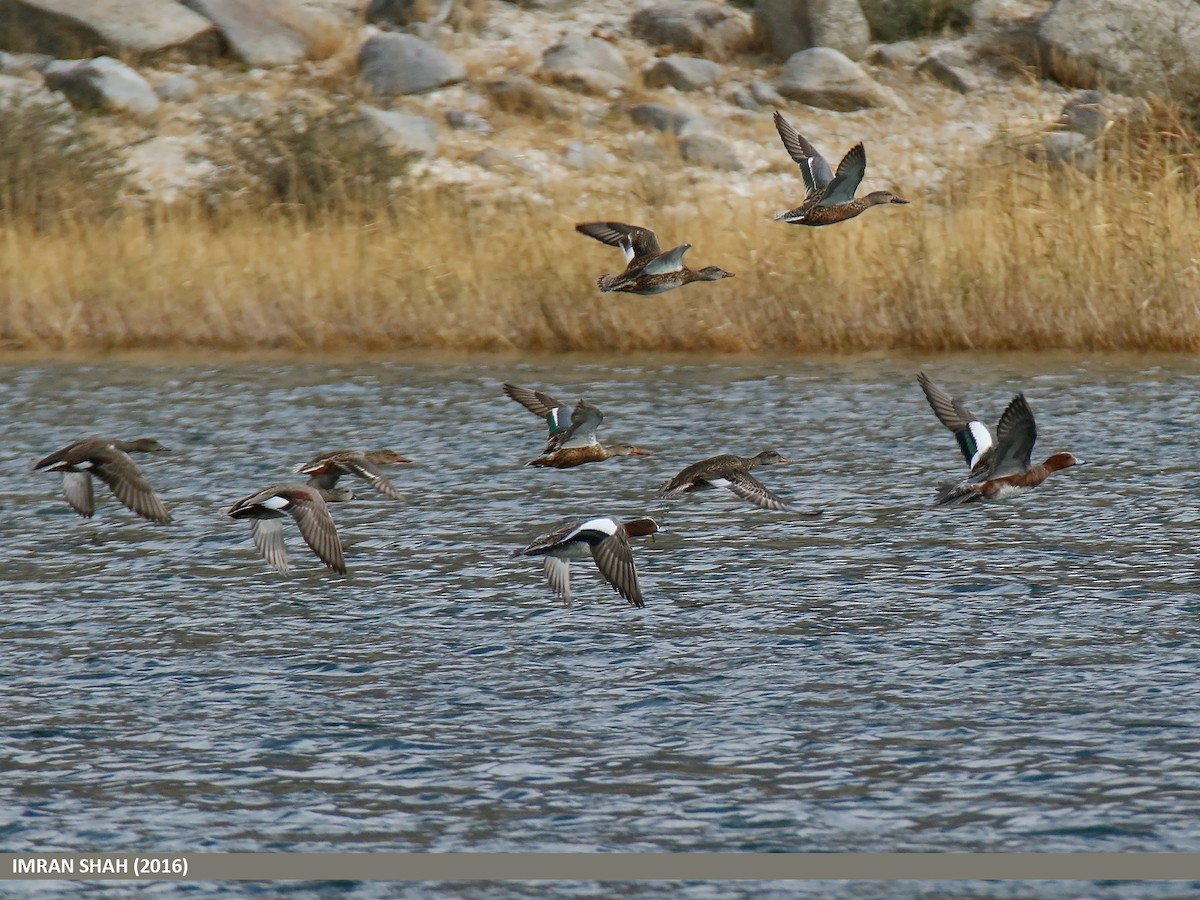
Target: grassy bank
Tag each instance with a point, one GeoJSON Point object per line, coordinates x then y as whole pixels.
{"type": "Point", "coordinates": [1012, 256]}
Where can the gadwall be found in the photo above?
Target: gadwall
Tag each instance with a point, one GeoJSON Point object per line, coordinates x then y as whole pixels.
{"type": "Point", "coordinates": [1009, 471]}
{"type": "Point", "coordinates": [728, 471]}
{"type": "Point", "coordinates": [829, 198]}
{"type": "Point", "coordinates": [324, 470]}
{"type": "Point", "coordinates": [572, 432]}
{"type": "Point", "coordinates": [648, 270]}
{"type": "Point", "coordinates": [606, 540]}
{"type": "Point", "coordinates": [303, 503]}
{"type": "Point", "coordinates": [109, 461]}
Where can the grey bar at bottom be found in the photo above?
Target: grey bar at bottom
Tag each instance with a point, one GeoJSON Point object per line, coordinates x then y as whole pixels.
{"type": "Point", "coordinates": [648, 866]}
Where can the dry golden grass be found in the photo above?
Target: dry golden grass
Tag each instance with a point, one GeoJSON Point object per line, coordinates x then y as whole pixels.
{"type": "Point", "coordinates": [1013, 257]}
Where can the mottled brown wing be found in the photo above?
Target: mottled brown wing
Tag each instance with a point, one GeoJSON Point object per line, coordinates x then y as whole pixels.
{"type": "Point", "coordinates": [366, 470]}
{"type": "Point", "coordinates": [118, 471]}
{"type": "Point", "coordinates": [750, 488]}
{"type": "Point", "coordinates": [614, 559]}
{"type": "Point", "coordinates": [538, 403]}
{"type": "Point", "coordinates": [642, 241]}
{"type": "Point", "coordinates": [319, 532]}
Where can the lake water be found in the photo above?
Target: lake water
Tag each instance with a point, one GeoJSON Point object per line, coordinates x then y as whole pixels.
{"type": "Point", "coordinates": [882, 676]}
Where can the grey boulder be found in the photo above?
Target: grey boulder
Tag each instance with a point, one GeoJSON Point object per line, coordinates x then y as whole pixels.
{"type": "Point", "coordinates": [139, 29]}
{"type": "Point", "coordinates": [103, 84]}
{"type": "Point", "coordinates": [703, 149]}
{"type": "Point", "coordinates": [259, 32]}
{"type": "Point", "coordinates": [789, 26]}
{"type": "Point", "coordinates": [586, 64]}
{"type": "Point", "coordinates": [826, 78]}
{"type": "Point", "coordinates": [403, 64]}
{"type": "Point", "coordinates": [1152, 46]}
{"type": "Point", "coordinates": [953, 77]}
{"type": "Point", "coordinates": [684, 73]}
{"type": "Point", "coordinates": [713, 30]}
{"type": "Point", "coordinates": [666, 118]}
{"type": "Point", "coordinates": [400, 131]}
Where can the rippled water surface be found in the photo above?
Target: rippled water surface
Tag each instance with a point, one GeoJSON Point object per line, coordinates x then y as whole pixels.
{"type": "Point", "coordinates": [881, 676]}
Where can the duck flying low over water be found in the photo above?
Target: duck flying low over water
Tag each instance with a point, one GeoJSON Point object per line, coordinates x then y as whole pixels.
{"type": "Point", "coordinates": [829, 197]}
{"type": "Point", "coordinates": [1010, 470]}
{"type": "Point", "coordinates": [324, 471]}
{"type": "Point", "coordinates": [648, 269]}
{"type": "Point", "coordinates": [109, 461]}
{"type": "Point", "coordinates": [606, 540]}
{"type": "Point", "coordinates": [305, 505]}
{"type": "Point", "coordinates": [728, 471]}
{"type": "Point", "coordinates": [572, 432]}
{"type": "Point", "coordinates": [972, 436]}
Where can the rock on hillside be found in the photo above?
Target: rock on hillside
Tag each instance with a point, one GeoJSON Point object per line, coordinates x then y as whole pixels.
{"type": "Point", "coordinates": [259, 32]}
{"type": "Point", "coordinates": [139, 29]}
{"type": "Point", "coordinates": [1152, 46]}
{"type": "Point", "coordinates": [789, 26]}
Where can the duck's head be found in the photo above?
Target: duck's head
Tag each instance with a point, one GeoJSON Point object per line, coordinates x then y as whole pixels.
{"type": "Point", "coordinates": [624, 449]}
{"type": "Point", "coordinates": [877, 197]}
{"type": "Point", "coordinates": [385, 457]}
{"type": "Point", "coordinates": [713, 273]}
{"type": "Point", "coordinates": [770, 457]}
{"type": "Point", "coordinates": [1062, 461]}
{"type": "Point", "coordinates": [146, 445]}
{"type": "Point", "coordinates": [641, 527]}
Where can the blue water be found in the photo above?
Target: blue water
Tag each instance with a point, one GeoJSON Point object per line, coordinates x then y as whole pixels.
{"type": "Point", "coordinates": [883, 675]}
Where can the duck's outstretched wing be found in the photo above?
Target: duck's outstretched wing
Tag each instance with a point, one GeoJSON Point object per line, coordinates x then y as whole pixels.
{"type": "Point", "coordinates": [813, 167]}
{"type": "Point", "coordinates": [635, 242]}
{"type": "Point", "coordinates": [614, 559]}
{"type": "Point", "coordinates": [972, 436]}
{"type": "Point", "coordinates": [850, 172]}
{"type": "Point", "coordinates": [1015, 437]}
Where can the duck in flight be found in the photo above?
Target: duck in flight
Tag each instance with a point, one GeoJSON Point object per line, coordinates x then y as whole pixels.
{"type": "Point", "coordinates": [324, 471]}
{"type": "Point", "coordinates": [572, 432]}
{"type": "Point", "coordinates": [648, 270]}
{"type": "Point", "coordinates": [606, 540]}
{"type": "Point", "coordinates": [829, 197]}
{"type": "Point", "coordinates": [728, 471]}
{"type": "Point", "coordinates": [1008, 468]}
{"type": "Point", "coordinates": [109, 461]}
{"type": "Point", "coordinates": [305, 504]}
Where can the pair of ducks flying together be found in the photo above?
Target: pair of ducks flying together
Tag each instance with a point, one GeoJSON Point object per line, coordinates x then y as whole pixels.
{"type": "Point", "coordinates": [829, 198]}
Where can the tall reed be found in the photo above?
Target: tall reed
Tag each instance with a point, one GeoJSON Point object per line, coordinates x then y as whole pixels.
{"type": "Point", "coordinates": [1009, 255]}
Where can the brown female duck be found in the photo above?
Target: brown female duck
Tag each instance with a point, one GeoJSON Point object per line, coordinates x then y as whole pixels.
{"type": "Point", "coordinates": [109, 461]}
{"type": "Point", "coordinates": [829, 198]}
{"type": "Point", "coordinates": [572, 432]}
{"type": "Point", "coordinates": [728, 471]}
{"type": "Point", "coordinates": [324, 471]}
{"type": "Point", "coordinates": [648, 269]}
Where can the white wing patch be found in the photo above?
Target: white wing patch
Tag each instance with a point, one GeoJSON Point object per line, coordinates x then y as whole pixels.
{"type": "Point", "coordinates": [276, 503]}
{"type": "Point", "coordinates": [983, 440]}
{"type": "Point", "coordinates": [605, 525]}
